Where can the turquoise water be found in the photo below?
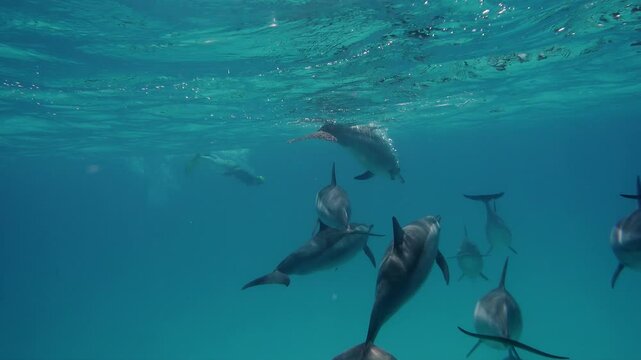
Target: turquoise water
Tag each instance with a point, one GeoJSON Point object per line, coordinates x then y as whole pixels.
{"type": "Point", "coordinates": [109, 249]}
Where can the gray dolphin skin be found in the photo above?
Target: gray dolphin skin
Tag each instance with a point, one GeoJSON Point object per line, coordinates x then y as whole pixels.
{"type": "Point", "coordinates": [625, 238]}
{"type": "Point", "coordinates": [496, 231]}
{"type": "Point", "coordinates": [372, 148]}
{"type": "Point", "coordinates": [229, 168]}
{"type": "Point", "coordinates": [406, 265]}
{"type": "Point", "coordinates": [498, 322]}
{"type": "Point", "coordinates": [469, 259]}
{"type": "Point", "coordinates": [333, 205]}
{"type": "Point", "coordinates": [327, 249]}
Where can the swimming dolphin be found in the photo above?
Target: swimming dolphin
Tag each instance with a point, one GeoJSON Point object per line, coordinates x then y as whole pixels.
{"type": "Point", "coordinates": [368, 143]}
{"type": "Point", "coordinates": [469, 259]}
{"type": "Point", "coordinates": [625, 238]}
{"type": "Point", "coordinates": [227, 167]}
{"type": "Point", "coordinates": [406, 265]}
{"type": "Point", "coordinates": [497, 233]}
{"type": "Point", "coordinates": [327, 249]}
{"type": "Point", "coordinates": [333, 205]}
{"type": "Point", "coordinates": [498, 322]}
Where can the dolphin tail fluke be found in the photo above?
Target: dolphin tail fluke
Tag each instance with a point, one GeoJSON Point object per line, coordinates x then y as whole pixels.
{"type": "Point", "coordinates": [637, 196]}
{"type": "Point", "coordinates": [511, 342]}
{"type": "Point", "coordinates": [364, 176]}
{"type": "Point", "coordinates": [616, 274]}
{"type": "Point", "coordinates": [275, 277]}
{"type": "Point", "coordinates": [321, 135]}
{"type": "Point", "coordinates": [484, 198]}
{"type": "Point", "coordinates": [442, 263]}
{"type": "Point", "coordinates": [365, 351]}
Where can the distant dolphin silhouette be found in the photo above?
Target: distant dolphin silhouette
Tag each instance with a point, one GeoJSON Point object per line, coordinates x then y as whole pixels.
{"type": "Point", "coordinates": [625, 238]}
{"type": "Point", "coordinates": [497, 233]}
{"type": "Point", "coordinates": [498, 322]}
{"type": "Point", "coordinates": [372, 148]}
{"type": "Point", "coordinates": [469, 259]}
{"type": "Point", "coordinates": [332, 205]}
{"type": "Point", "coordinates": [405, 267]}
{"type": "Point", "coordinates": [228, 167]}
{"type": "Point", "coordinates": [327, 249]}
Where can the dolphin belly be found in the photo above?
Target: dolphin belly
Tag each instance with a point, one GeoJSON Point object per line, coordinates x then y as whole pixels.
{"type": "Point", "coordinates": [498, 314]}
{"type": "Point", "coordinates": [471, 265]}
{"type": "Point", "coordinates": [498, 235]}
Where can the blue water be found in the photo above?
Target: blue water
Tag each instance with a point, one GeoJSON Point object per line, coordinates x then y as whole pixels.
{"type": "Point", "coordinates": [109, 249]}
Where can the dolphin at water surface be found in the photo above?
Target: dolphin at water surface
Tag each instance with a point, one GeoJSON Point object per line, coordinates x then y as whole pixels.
{"type": "Point", "coordinates": [498, 322]}
{"type": "Point", "coordinates": [406, 265]}
{"type": "Point", "coordinates": [368, 143]}
{"type": "Point", "coordinates": [625, 238]}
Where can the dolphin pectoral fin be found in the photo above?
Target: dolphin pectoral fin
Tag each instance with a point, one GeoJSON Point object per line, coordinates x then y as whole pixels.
{"type": "Point", "coordinates": [473, 348]}
{"type": "Point", "coordinates": [275, 277]}
{"type": "Point", "coordinates": [483, 277]}
{"type": "Point", "coordinates": [616, 274]}
{"type": "Point", "coordinates": [511, 342]}
{"type": "Point", "coordinates": [442, 263]}
{"type": "Point", "coordinates": [321, 135]}
{"type": "Point", "coordinates": [514, 251]}
{"type": "Point", "coordinates": [370, 255]}
{"type": "Point", "coordinates": [365, 351]}
{"type": "Point", "coordinates": [364, 176]}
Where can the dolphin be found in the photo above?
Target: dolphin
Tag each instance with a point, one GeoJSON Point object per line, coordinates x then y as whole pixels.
{"type": "Point", "coordinates": [333, 205]}
{"type": "Point", "coordinates": [406, 265]}
{"type": "Point", "coordinates": [327, 249]}
{"type": "Point", "coordinates": [498, 322]}
{"type": "Point", "coordinates": [228, 167]}
{"type": "Point", "coordinates": [625, 238]}
{"type": "Point", "coordinates": [497, 233]}
{"type": "Point", "coordinates": [368, 143]}
{"type": "Point", "coordinates": [469, 259]}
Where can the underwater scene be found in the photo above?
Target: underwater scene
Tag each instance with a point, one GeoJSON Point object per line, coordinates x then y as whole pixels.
{"type": "Point", "coordinates": [300, 179]}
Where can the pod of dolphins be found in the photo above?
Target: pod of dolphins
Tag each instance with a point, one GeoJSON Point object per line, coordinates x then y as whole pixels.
{"type": "Point", "coordinates": [414, 250]}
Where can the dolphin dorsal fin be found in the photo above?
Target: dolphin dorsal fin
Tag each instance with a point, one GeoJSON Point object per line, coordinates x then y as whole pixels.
{"type": "Point", "coordinates": [399, 234]}
{"type": "Point", "coordinates": [333, 174]}
{"type": "Point", "coordinates": [638, 194]}
{"type": "Point", "coordinates": [502, 283]}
